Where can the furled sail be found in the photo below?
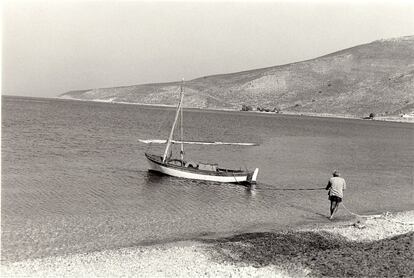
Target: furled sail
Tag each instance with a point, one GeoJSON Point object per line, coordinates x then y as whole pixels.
{"type": "Point", "coordinates": [153, 141]}
{"type": "Point", "coordinates": [160, 141]}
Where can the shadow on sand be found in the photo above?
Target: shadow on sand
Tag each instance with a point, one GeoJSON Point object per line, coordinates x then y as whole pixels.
{"type": "Point", "coordinates": [322, 253]}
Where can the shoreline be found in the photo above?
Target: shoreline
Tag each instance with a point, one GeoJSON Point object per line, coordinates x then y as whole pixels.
{"type": "Point", "coordinates": [395, 119]}
{"type": "Point", "coordinates": [291, 113]}
{"type": "Point", "coordinates": [375, 246]}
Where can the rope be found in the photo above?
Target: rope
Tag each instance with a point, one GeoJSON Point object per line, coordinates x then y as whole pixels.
{"type": "Point", "coordinates": [386, 216]}
{"type": "Point", "coordinates": [290, 189]}
{"type": "Point", "coordinates": [366, 216]}
{"type": "Point", "coordinates": [399, 222]}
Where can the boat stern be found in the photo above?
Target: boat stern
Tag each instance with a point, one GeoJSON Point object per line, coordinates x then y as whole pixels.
{"type": "Point", "coordinates": [252, 177]}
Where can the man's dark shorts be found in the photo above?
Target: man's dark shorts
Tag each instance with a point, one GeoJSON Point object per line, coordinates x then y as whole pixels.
{"type": "Point", "coordinates": [335, 199]}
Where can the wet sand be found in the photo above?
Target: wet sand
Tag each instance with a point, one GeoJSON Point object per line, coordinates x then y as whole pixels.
{"type": "Point", "coordinates": [377, 246]}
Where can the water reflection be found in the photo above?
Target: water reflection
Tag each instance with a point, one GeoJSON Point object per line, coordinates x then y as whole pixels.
{"type": "Point", "coordinates": [153, 177]}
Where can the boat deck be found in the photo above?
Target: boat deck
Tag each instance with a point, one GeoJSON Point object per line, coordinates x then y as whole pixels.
{"type": "Point", "coordinates": [194, 167]}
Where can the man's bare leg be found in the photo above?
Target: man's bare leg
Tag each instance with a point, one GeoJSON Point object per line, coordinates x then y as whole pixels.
{"type": "Point", "coordinates": [334, 208]}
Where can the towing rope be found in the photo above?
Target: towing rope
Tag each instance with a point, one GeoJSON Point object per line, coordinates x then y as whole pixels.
{"type": "Point", "coordinates": [386, 216]}
{"type": "Point", "coordinates": [366, 216]}
{"type": "Point", "coordinates": [289, 189]}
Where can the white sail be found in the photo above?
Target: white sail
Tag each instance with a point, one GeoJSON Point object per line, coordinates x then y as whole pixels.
{"type": "Point", "coordinates": [161, 141]}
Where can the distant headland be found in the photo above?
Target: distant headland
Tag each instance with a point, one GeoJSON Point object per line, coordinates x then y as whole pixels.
{"type": "Point", "coordinates": [374, 80]}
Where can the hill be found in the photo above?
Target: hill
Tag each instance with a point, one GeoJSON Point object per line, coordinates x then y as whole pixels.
{"type": "Point", "coordinates": [376, 77]}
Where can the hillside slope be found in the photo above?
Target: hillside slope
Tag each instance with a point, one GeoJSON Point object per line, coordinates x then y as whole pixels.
{"type": "Point", "coordinates": [376, 77]}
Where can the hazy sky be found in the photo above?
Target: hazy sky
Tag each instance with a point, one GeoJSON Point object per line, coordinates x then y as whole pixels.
{"type": "Point", "coordinates": [49, 48]}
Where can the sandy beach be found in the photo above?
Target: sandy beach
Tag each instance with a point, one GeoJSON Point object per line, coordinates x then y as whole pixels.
{"type": "Point", "coordinates": [381, 245]}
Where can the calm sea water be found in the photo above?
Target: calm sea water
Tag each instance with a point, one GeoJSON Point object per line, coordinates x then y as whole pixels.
{"type": "Point", "coordinates": [74, 176]}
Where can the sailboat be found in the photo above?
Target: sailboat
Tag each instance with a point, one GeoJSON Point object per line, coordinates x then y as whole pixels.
{"type": "Point", "coordinates": [179, 167]}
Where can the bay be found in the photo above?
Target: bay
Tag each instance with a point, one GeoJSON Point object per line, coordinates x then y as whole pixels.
{"type": "Point", "coordinates": [75, 179]}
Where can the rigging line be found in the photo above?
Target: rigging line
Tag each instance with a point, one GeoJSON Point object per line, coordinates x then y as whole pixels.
{"type": "Point", "coordinates": [235, 178]}
{"type": "Point", "coordinates": [244, 164]}
{"type": "Point", "coordinates": [148, 147]}
{"type": "Point", "coordinates": [166, 119]}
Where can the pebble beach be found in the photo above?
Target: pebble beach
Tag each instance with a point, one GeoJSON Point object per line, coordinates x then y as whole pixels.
{"type": "Point", "coordinates": [381, 245]}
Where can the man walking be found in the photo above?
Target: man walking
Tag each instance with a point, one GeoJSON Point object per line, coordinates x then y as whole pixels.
{"type": "Point", "coordinates": [336, 186]}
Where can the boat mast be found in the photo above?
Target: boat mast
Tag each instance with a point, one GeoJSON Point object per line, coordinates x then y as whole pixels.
{"type": "Point", "coordinates": [169, 141]}
{"type": "Point", "coordinates": [181, 125]}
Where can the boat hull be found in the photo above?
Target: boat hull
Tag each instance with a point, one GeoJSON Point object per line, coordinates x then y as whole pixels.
{"type": "Point", "coordinates": [223, 175]}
